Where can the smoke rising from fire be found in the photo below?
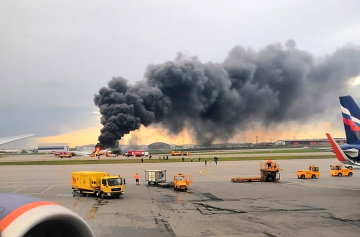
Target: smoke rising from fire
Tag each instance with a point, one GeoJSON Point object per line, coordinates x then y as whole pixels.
{"type": "Point", "coordinates": [215, 100]}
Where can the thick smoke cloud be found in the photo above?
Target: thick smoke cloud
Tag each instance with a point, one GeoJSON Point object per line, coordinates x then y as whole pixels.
{"type": "Point", "coordinates": [215, 100]}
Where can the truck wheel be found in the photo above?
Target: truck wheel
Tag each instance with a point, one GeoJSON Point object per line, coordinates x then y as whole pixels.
{"type": "Point", "coordinates": [102, 195]}
{"type": "Point", "coordinates": [302, 176]}
{"type": "Point", "coordinates": [313, 176]}
{"type": "Point", "coordinates": [350, 173]}
{"type": "Point", "coordinates": [339, 174]}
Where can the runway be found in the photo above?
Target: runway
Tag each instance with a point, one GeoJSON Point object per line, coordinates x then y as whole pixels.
{"type": "Point", "coordinates": [213, 206]}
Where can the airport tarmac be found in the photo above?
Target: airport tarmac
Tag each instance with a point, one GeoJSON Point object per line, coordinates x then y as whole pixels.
{"type": "Point", "coordinates": [213, 206]}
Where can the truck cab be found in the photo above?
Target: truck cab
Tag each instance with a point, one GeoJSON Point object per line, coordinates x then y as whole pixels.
{"type": "Point", "coordinates": [338, 170]}
{"type": "Point", "coordinates": [112, 186]}
{"type": "Point", "coordinates": [311, 173]}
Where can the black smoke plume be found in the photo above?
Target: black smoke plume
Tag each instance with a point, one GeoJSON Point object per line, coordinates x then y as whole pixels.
{"type": "Point", "coordinates": [215, 100]}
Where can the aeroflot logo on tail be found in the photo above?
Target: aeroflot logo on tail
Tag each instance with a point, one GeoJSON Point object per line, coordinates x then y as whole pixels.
{"type": "Point", "coordinates": [351, 121]}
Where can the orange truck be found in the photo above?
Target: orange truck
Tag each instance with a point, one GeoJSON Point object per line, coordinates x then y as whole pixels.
{"type": "Point", "coordinates": [158, 178]}
{"type": "Point", "coordinates": [181, 182]}
{"type": "Point", "coordinates": [180, 153]}
{"type": "Point", "coordinates": [64, 154]}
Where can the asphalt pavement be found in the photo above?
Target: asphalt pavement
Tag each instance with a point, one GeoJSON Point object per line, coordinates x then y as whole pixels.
{"type": "Point", "coordinates": [212, 206]}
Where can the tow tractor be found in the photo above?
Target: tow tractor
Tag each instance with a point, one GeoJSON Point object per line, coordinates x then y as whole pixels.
{"type": "Point", "coordinates": [181, 182]}
{"type": "Point", "coordinates": [312, 172]}
{"type": "Point", "coordinates": [269, 172]}
{"type": "Point", "coordinates": [338, 170]}
{"type": "Point", "coordinates": [158, 178]}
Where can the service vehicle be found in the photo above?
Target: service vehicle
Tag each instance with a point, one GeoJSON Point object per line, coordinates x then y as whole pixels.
{"type": "Point", "coordinates": [100, 184]}
{"type": "Point", "coordinates": [338, 170]}
{"type": "Point", "coordinates": [181, 182]}
{"type": "Point", "coordinates": [158, 178]}
{"type": "Point", "coordinates": [180, 153]}
{"type": "Point", "coordinates": [269, 172]}
{"type": "Point", "coordinates": [137, 153]}
{"type": "Point", "coordinates": [311, 173]}
{"type": "Point", "coordinates": [155, 177]}
{"type": "Point", "coordinates": [65, 154]}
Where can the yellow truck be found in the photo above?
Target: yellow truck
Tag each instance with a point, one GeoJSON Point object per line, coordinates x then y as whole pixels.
{"type": "Point", "coordinates": [100, 184]}
{"type": "Point", "coordinates": [311, 173]}
{"type": "Point", "coordinates": [338, 170]}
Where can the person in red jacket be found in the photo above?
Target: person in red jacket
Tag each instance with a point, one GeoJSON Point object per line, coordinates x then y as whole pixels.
{"type": "Point", "coordinates": [137, 177]}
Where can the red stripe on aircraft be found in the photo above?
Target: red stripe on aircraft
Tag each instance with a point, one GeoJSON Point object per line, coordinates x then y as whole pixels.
{"type": "Point", "coordinates": [335, 148]}
{"type": "Point", "coordinates": [6, 221]}
{"type": "Point", "coordinates": [352, 125]}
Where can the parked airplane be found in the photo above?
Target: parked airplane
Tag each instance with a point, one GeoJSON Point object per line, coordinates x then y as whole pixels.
{"type": "Point", "coordinates": [5, 140]}
{"type": "Point", "coordinates": [348, 153]}
{"type": "Point", "coordinates": [7, 151]}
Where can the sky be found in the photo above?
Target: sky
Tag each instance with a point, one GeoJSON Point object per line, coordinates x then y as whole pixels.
{"type": "Point", "coordinates": [56, 55]}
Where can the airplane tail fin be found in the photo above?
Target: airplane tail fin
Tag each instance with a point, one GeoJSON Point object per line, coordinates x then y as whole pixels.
{"type": "Point", "coordinates": [351, 119]}
{"type": "Point", "coordinates": [340, 155]}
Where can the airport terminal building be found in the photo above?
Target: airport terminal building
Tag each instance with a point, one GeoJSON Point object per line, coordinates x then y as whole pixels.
{"type": "Point", "coordinates": [159, 146]}
{"type": "Point", "coordinates": [307, 142]}
{"type": "Point", "coordinates": [52, 147]}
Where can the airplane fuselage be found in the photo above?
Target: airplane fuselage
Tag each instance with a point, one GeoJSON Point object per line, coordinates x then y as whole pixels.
{"type": "Point", "coordinates": [352, 151]}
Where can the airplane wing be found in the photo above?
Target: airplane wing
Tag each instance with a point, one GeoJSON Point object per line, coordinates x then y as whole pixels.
{"type": "Point", "coordinates": [4, 140]}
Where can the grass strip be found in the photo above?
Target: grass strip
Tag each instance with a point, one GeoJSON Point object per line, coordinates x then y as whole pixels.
{"type": "Point", "coordinates": [123, 161]}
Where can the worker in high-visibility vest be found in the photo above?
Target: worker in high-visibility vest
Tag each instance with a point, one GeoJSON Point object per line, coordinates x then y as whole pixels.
{"type": "Point", "coordinates": [137, 177]}
{"type": "Point", "coordinates": [269, 163]}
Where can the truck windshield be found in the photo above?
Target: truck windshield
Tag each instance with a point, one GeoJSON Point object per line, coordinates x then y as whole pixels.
{"type": "Point", "coordinates": [114, 182]}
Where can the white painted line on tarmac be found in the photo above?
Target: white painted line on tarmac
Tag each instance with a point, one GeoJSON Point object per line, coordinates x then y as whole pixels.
{"type": "Point", "coordinates": [46, 190]}
{"type": "Point", "coordinates": [324, 186]}
{"type": "Point", "coordinates": [37, 181]}
{"type": "Point", "coordinates": [20, 189]}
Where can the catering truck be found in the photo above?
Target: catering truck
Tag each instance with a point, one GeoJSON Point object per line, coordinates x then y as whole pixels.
{"type": "Point", "coordinates": [100, 184]}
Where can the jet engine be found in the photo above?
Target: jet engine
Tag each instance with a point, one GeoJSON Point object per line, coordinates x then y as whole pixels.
{"type": "Point", "coordinates": [25, 216]}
